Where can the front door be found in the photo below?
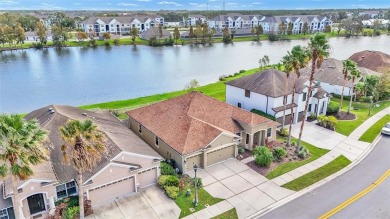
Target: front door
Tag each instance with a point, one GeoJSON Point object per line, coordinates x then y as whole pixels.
{"type": "Point", "coordinates": [36, 203]}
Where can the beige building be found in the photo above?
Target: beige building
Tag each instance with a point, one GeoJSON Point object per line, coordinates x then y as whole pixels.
{"type": "Point", "coordinates": [129, 164]}
{"type": "Point", "coordinates": [197, 129]}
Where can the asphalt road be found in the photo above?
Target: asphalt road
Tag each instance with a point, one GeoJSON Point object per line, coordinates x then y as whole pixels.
{"type": "Point", "coordinates": [375, 204]}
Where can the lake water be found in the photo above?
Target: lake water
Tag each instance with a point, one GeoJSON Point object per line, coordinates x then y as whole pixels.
{"type": "Point", "coordinates": [31, 79]}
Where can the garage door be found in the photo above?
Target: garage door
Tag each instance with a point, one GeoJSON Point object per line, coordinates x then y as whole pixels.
{"type": "Point", "coordinates": [220, 155]}
{"type": "Point", "coordinates": [191, 161]}
{"type": "Point", "coordinates": [109, 192]}
{"type": "Point", "coordinates": [287, 121]}
{"type": "Point", "coordinates": [147, 177]}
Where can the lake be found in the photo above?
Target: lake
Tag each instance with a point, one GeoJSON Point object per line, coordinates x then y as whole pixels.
{"type": "Point", "coordinates": [31, 79]}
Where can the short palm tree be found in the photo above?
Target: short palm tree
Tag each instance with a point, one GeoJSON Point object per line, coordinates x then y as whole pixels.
{"type": "Point", "coordinates": [286, 60]}
{"type": "Point", "coordinates": [22, 144]}
{"type": "Point", "coordinates": [299, 57]}
{"type": "Point", "coordinates": [355, 73]}
{"type": "Point", "coordinates": [84, 147]}
{"type": "Point", "coordinates": [319, 49]}
{"type": "Point", "coordinates": [348, 66]}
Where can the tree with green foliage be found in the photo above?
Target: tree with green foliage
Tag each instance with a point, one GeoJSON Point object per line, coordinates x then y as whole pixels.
{"type": "Point", "coordinates": [60, 36]}
{"type": "Point", "coordinates": [22, 145]}
{"type": "Point", "coordinates": [319, 48]}
{"type": "Point", "coordinates": [305, 28]}
{"type": "Point", "coordinates": [264, 61]}
{"type": "Point", "coordinates": [354, 74]}
{"type": "Point", "coordinates": [288, 68]}
{"type": "Point", "coordinates": [176, 34]}
{"type": "Point", "coordinates": [40, 31]}
{"type": "Point", "coordinates": [191, 33]}
{"type": "Point", "coordinates": [134, 33]}
{"type": "Point", "coordinates": [106, 36]}
{"type": "Point", "coordinates": [328, 29]}
{"type": "Point", "coordinates": [348, 66]}
{"type": "Point", "coordinates": [81, 36]}
{"type": "Point", "coordinates": [2, 36]}
{"type": "Point", "coordinates": [9, 35]}
{"type": "Point", "coordinates": [226, 36]}
{"type": "Point", "coordinates": [83, 148]}
{"type": "Point", "coordinates": [383, 86]}
{"type": "Point", "coordinates": [282, 28]}
{"type": "Point", "coordinates": [20, 35]}
{"type": "Point", "coordinates": [340, 26]}
{"type": "Point", "coordinates": [258, 30]}
{"type": "Point", "coordinates": [192, 85]}
{"type": "Point", "coordinates": [290, 28]}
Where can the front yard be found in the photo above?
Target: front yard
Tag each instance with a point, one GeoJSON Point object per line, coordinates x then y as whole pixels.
{"type": "Point", "coordinates": [360, 109]}
{"type": "Point", "coordinates": [370, 135]}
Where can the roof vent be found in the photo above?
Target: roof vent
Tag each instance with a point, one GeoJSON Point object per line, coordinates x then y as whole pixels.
{"type": "Point", "coordinates": [51, 111]}
{"type": "Point", "coordinates": [331, 66]}
{"type": "Point", "coordinates": [84, 114]}
{"type": "Point", "coordinates": [362, 57]}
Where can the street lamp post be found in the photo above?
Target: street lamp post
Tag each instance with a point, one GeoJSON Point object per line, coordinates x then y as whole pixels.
{"type": "Point", "coordinates": [369, 109]}
{"type": "Point", "coordinates": [196, 187]}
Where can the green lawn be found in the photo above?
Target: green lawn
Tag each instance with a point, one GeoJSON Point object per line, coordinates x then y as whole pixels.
{"type": "Point", "coordinates": [318, 174]}
{"type": "Point", "coordinates": [216, 90]}
{"type": "Point", "coordinates": [185, 203]}
{"type": "Point", "coordinates": [347, 127]}
{"type": "Point", "coordinates": [231, 214]}
{"type": "Point", "coordinates": [287, 167]}
{"type": "Point", "coordinates": [370, 135]}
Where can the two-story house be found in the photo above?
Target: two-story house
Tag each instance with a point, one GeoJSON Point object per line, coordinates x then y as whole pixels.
{"type": "Point", "coordinates": [195, 19]}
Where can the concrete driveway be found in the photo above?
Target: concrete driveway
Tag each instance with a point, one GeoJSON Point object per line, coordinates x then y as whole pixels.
{"type": "Point", "coordinates": [242, 187]}
{"type": "Point", "coordinates": [149, 203]}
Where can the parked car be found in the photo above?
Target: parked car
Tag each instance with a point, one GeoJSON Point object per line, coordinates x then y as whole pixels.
{"type": "Point", "coordinates": [386, 129]}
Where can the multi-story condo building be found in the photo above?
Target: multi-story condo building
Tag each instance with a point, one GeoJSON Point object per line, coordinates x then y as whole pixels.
{"type": "Point", "coordinates": [195, 19]}
{"type": "Point", "coordinates": [235, 21]}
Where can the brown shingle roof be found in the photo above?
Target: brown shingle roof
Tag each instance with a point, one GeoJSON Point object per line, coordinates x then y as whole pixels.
{"type": "Point", "coordinates": [373, 60]}
{"type": "Point", "coordinates": [190, 122]}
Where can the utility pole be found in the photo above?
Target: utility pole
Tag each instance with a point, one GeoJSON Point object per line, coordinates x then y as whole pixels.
{"type": "Point", "coordinates": [223, 6]}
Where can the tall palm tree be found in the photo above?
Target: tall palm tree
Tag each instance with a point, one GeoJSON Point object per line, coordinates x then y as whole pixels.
{"type": "Point", "coordinates": [84, 146]}
{"type": "Point", "coordinates": [22, 144]}
{"type": "Point", "coordinates": [355, 73]}
{"type": "Point", "coordinates": [319, 49]}
{"type": "Point", "coordinates": [348, 66]}
{"type": "Point", "coordinates": [299, 58]}
{"type": "Point", "coordinates": [286, 60]}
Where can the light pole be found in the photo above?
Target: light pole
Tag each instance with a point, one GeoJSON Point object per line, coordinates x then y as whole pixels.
{"type": "Point", "coordinates": [196, 187]}
{"type": "Point", "coordinates": [369, 109]}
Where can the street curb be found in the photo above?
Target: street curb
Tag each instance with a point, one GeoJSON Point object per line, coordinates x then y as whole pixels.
{"type": "Point", "coordinates": [320, 183]}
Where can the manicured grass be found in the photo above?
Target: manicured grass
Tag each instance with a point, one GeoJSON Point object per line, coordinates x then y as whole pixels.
{"type": "Point", "coordinates": [231, 214]}
{"type": "Point", "coordinates": [216, 90]}
{"type": "Point", "coordinates": [316, 175]}
{"type": "Point", "coordinates": [347, 127]}
{"type": "Point", "coordinates": [370, 135]}
{"type": "Point", "coordinates": [185, 203]}
{"type": "Point", "coordinates": [287, 167]}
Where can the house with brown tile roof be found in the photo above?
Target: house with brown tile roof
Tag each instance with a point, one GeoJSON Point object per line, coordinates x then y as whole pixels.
{"type": "Point", "coordinates": [373, 60]}
{"type": "Point", "coordinates": [265, 91]}
{"type": "Point", "coordinates": [197, 129]}
{"type": "Point", "coordinates": [128, 165]}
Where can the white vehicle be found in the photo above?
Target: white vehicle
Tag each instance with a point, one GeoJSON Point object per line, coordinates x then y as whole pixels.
{"type": "Point", "coordinates": [386, 129]}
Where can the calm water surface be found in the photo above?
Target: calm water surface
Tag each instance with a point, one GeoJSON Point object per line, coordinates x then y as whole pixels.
{"type": "Point", "coordinates": [31, 79]}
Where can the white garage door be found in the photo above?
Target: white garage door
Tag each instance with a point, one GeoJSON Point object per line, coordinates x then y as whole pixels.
{"type": "Point", "coordinates": [147, 177]}
{"type": "Point", "coordinates": [109, 192]}
{"type": "Point", "coordinates": [220, 155]}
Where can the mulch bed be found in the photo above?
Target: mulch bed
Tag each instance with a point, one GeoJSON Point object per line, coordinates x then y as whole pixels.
{"type": "Point", "coordinates": [244, 155]}
{"type": "Point", "coordinates": [290, 157]}
{"type": "Point", "coordinates": [344, 116]}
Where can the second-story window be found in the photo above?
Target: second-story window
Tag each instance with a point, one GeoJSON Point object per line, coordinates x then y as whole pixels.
{"type": "Point", "coordinates": [247, 93]}
{"type": "Point", "coordinates": [139, 128]}
{"type": "Point", "coordinates": [304, 97]}
{"type": "Point", "coordinates": [157, 140]}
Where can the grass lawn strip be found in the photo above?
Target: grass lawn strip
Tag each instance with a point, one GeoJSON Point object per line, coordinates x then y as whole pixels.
{"type": "Point", "coordinates": [185, 203]}
{"type": "Point", "coordinates": [370, 135]}
{"type": "Point", "coordinates": [316, 175]}
{"type": "Point", "coordinates": [287, 167]}
{"type": "Point", "coordinates": [231, 214]}
{"type": "Point", "coordinates": [347, 127]}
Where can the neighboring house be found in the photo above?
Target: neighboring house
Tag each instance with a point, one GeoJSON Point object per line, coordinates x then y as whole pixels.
{"type": "Point", "coordinates": [120, 25]}
{"type": "Point", "coordinates": [235, 21]}
{"type": "Point", "coordinates": [154, 32]}
{"type": "Point", "coordinates": [265, 91]}
{"type": "Point", "coordinates": [372, 14]}
{"type": "Point", "coordinates": [32, 37]}
{"type": "Point", "coordinates": [128, 165]}
{"type": "Point", "coordinates": [194, 19]}
{"type": "Point", "coordinates": [373, 60]}
{"type": "Point", "coordinates": [197, 129]}
{"type": "Point", "coordinates": [315, 23]}
{"type": "Point", "coordinates": [330, 76]}
{"type": "Point", "coordinates": [381, 22]}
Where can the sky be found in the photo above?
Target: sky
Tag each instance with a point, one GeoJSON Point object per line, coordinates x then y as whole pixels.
{"type": "Point", "coordinates": [188, 4]}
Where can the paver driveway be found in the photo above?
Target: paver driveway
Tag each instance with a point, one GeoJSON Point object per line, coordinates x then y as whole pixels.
{"type": "Point", "coordinates": [242, 187]}
{"type": "Point", "coordinates": [149, 203]}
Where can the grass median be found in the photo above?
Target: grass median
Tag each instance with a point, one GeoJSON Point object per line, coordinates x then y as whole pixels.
{"type": "Point", "coordinates": [231, 214]}
{"type": "Point", "coordinates": [370, 135]}
{"type": "Point", "coordinates": [316, 175]}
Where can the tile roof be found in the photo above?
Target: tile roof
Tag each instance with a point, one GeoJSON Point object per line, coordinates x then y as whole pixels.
{"type": "Point", "coordinates": [190, 122]}
{"type": "Point", "coordinates": [154, 32]}
{"type": "Point", "coordinates": [373, 60]}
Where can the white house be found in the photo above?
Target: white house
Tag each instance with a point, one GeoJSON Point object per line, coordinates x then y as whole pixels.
{"type": "Point", "coordinates": [193, 20]}
{"type": "Point", "coordinates": [330, 77]}
{"type": "Point", "coordinates": [235, 21]}
{"type": "Point", "coordinates": [265, 91]}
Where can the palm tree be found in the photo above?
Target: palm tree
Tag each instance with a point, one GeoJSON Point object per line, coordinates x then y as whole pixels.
{"type": "Point", "coordinates": [319, 49]}
{"type": "Point", "coordinates": [348, 66]}
{"type": "Point", "coordinates": [299, 58]}
{"type": "Point", "coordinates": [84, 146]}
{"type": "Point", "coordinates": [286, 60]}
{"type": "Point", "coordinates": [22, 144]}
{"type": "Point", "coordinates": [355, 73]}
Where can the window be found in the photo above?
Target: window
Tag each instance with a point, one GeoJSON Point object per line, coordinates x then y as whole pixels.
{"type": "Point", "coordinates": [247, 93]}
{"type": "Point", "coordinates": [239, 105]}
{"type": "Point", "coordinates": [269, 132]}
{"type": "Point", "coordinates": [247, 139]}
{"type": "Point", "coordinates": [309, 108]}
{"type": "Point", "coordinates": [304, 96]}
{"type": "Point", "coordinates": [140, 128]}
{"type": "Point", "coordinates": [66, 189]}
{"type": "Point", "coordinates": [157, 140]}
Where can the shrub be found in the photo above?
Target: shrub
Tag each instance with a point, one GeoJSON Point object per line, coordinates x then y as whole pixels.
{"type": "Point", "coordinates": [312, 116]}
{"type": "Point", "coordinates": [72, 212]}
{"type": "Point", "coordinates": [222, 78]}
{"type": "Point", "coordinates": [242, 71]}
{"type": "Point", "coordinates": [168, 181]}
{"type": "Point", "coordinates": [303, 153]}
{"type": "Point", "coordinates": [70, 201]}
{"type": "Point", "coordinates": [377, 33]}
{"type": "Point", "coordinates": [241, 150]}
{"type": "Point", "coordinates": [322, 120]}
{"type": "Point", "coordinates": [279, 153]}
{"type": "Point", "coordinates": [284, 132]}
{"type": "Point", "coordinates": [263, 157]}
{"type": "Point", "coordinates": [332, 108]}
{"type": "Point", "coordinates": [38, 45]}
{"type": "Point", "coordinates": [107, 43]}
{"type": "Point", "coordinates": [172, 191]}
{"type": "Point", "coordinates": [339, 96]}
{"type": "Point", "coordinates": [116, 42]}
{"type": "Point", "coordinates": [167, 169]}
{"type": "Point", "coordinates": [332, 122]}
{"type": "Point", "coordinates": [273, 37]}
{"type": "Point", "coordinates": [92, 43]}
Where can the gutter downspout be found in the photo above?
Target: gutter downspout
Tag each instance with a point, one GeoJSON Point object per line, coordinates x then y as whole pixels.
{"type": "Point", "coordinates": [266, 109]}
